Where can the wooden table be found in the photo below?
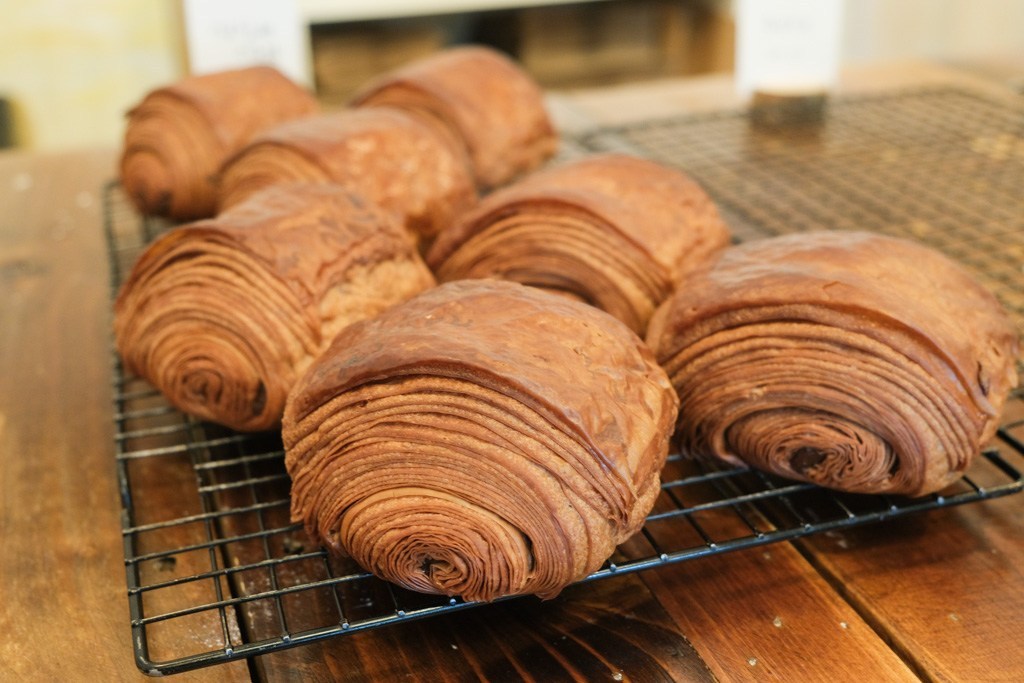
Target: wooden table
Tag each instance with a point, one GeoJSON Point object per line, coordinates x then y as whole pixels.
{"type": "Point", "coordinates": [938, 596]}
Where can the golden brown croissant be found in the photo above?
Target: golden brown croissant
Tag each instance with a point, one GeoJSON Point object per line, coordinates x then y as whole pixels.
{"type": "Point", "coordinates": [178, 136]}
{"type": "Point", "coordinates": [223, 315]}
{"type": "Point", "coordinates": [480, 99]}
{"type": "Point", "coordinates": [612, 230]}
{"type": "Point", "coordinates": [482, 439]}
{"type": "Point", "coordinates": [385, 155]}
{"type": "Point", "coordinates": [855, 361]}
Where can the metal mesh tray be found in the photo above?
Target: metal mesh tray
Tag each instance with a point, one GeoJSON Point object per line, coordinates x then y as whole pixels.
{"type": "Point", "coordinates": [215, 569]}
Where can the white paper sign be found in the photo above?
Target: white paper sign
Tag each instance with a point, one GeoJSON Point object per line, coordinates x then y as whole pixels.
{"type": "Point", "coordinates": [787, 45]}
{"type": "Point", "coordinates": [231, 34]}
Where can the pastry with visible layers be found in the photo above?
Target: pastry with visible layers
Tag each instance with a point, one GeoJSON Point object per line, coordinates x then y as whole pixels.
{"type": "Point", "coordinates": [224, 315]}
{"type": "Point", "coordinates": [482, 439]}
{"type": "Point", "coordinates": [855, 361]}
{"type": "Point", "coordinates": [481, 100]}
{"type": "Point", "coordinates": [178, 136]}
{"type": "Point", "coordinates": [614, 231]}
{"type": "Point", "coordinates": [387, 156]}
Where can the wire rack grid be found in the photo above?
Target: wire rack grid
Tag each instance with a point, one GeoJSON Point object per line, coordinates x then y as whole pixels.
{"type": "Point", "coordinates": [217, 571]}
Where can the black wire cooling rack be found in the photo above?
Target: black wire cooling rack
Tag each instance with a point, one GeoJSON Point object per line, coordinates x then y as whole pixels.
{"type": "Point", "coordinates": [216, 570]}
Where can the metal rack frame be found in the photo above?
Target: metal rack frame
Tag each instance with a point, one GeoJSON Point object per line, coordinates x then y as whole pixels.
{"type": "Point", "coordinates": [217, 571]}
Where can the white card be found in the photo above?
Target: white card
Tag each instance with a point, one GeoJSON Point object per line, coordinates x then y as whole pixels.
{"type": "Point", "coordinates": [788, 45]}
{"type": "Point", "coordinates": [231, 34]}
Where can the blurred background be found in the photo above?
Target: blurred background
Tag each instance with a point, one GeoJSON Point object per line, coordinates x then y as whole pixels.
{"type": "Point", "coordinates": [70, 69]}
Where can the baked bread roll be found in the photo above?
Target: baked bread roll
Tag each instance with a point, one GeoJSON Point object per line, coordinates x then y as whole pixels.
{"type": "Point", "coordinates": [612, 230]}
{"type": "Point", "coordinates": [178, 136]}
{"type": "Point", "coordinates": [482, 439]}
{"type": "Point", "coordinates": [223, 315]}
{"type": "Point", "coordinates": [855, 361]}
{"type": "Point", "coordinates": [386, 155]}
{"type": "Point", "coordinates": [481, 100]}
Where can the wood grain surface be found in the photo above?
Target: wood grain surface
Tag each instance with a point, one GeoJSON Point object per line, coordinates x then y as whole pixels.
{"type": "Point", "coordinates": [608, 631]}
{"type": "Point", "coordinates": [935, 585]}
{"type": "Point", "coordinates": [62, 577]}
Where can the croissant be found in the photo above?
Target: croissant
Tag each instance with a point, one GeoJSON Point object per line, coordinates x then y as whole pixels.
{"type": "Point", "coordinates": [223, 315]}
{"type": "Point", "coordinates": [178, 136]}
{"type": "Point", "coordinates": [858, 362]}
{"type": "Point", "coordinates": [386, 155]}
{"type": "Point", "coordinates": [611, 230]}
{"type": "Point", "coordinates": [481, 100]}
{"type": "Point", "coordinates": [482, 439]}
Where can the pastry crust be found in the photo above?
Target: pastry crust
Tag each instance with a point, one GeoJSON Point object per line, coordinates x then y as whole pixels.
{"type": "Point", "coordinates": [481, 100]}
{"type": "Point", "coordinates": [855, 361]}
{"type": "Point", "coordinates": [612, 230]}
{"type": "Point", "coordinates": [223, 315]}
{"type": "Point", "coordinates": [482, 439]}
{"type": "Point", "coordinates": [383, 154]}
{"type": "Point", "coordinates": [177, 137]}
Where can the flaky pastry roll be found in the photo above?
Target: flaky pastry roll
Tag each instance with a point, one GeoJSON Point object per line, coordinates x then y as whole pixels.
{"type": "Point", "coordinates": [482, 439]}
{"type": "Point", "coordinates": [855, 361]}
{"type": "Point", "coordinates": [612, 230]}
{"type": "Point", "coordinates": [223, 315]}
{"type": "Point", "coordinates": [385, 155]}
{"type": "Point", "coordinates": [177, 137]}
{"type": "Point", "coordinates": [478, 98]}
